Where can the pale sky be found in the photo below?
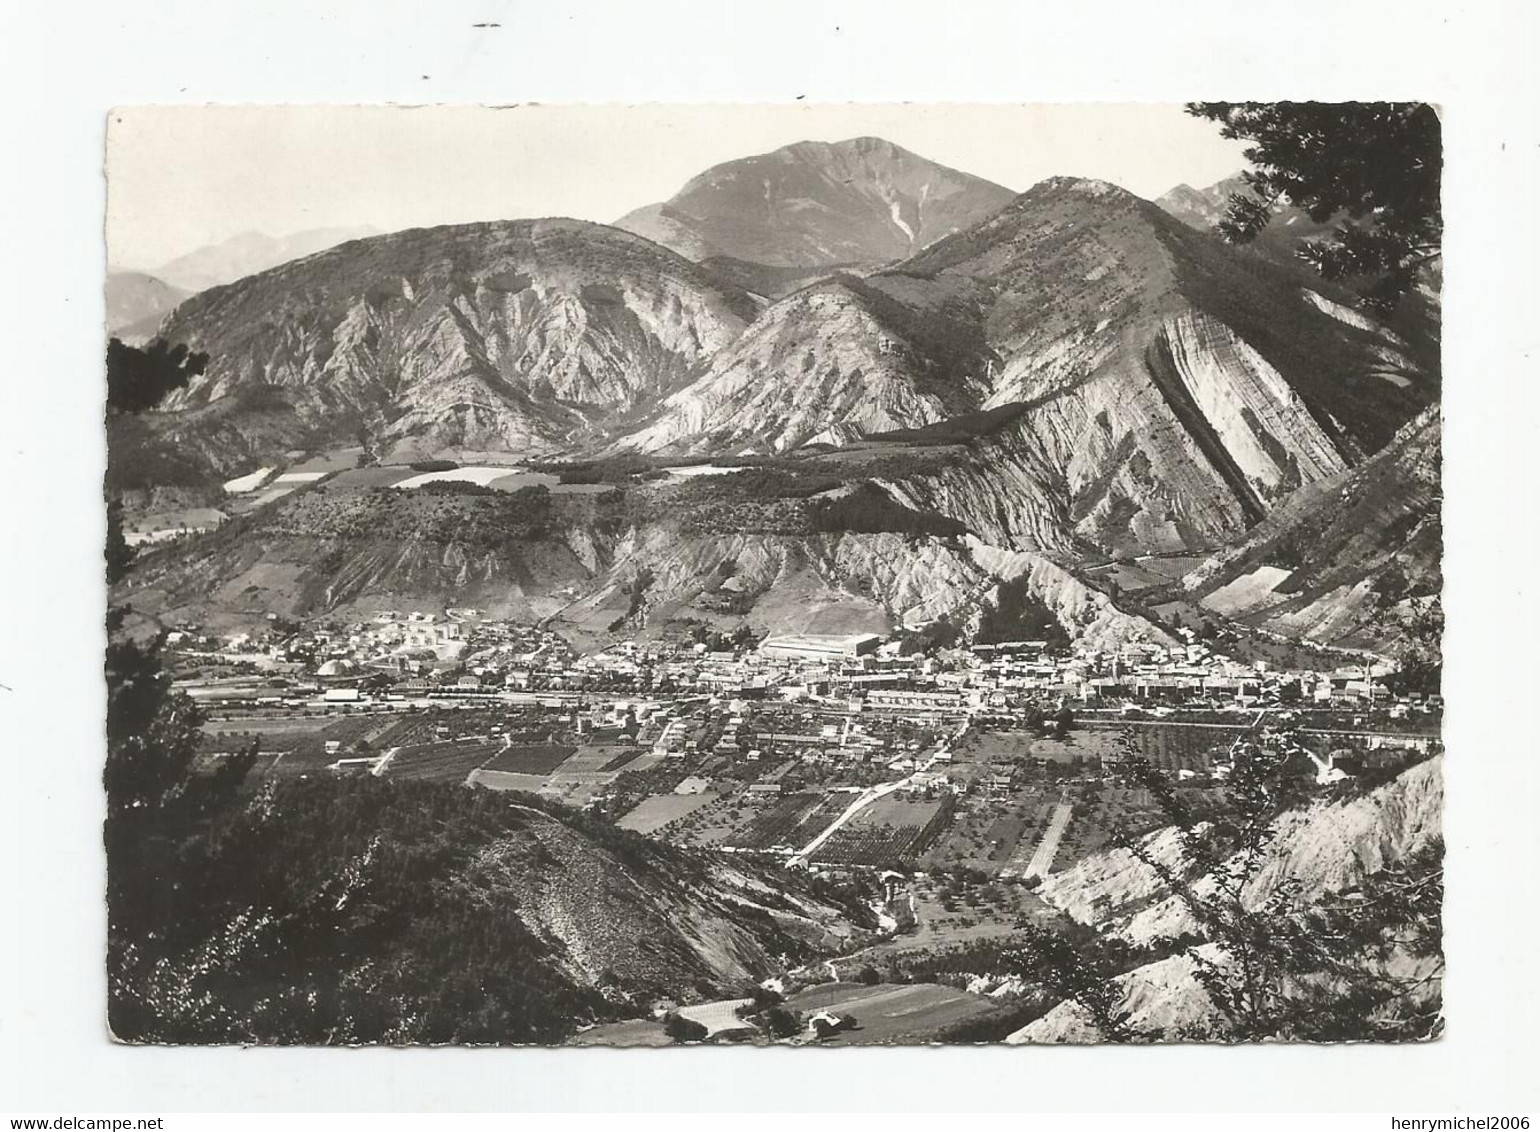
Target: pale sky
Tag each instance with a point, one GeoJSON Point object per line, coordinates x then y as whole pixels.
{"type": "Point", "coordinates": [180, 177]}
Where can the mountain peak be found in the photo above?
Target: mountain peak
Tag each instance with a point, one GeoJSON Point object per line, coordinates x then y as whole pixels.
{"type": "Point", "coordinates": [1083, 186]}
{"type": "Point", "coordinates": [865, 145]}
{"type": "Point", "coordinates": [816, 203]}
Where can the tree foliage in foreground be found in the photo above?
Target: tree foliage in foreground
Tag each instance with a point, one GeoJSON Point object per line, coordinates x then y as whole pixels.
{"type": "Point", "coordinates": [323, 911]}
{"type": "Point", "coordinates": [1273, 962]}
{"type": "Point", "coordinates": [1380, 164]}
{"type": "Point", "coordinates": [139, 379]}
{"type": "Point", "coordinates": [337, 911]}
{"type": "Point", "coordinates": [681, 1029]}
{"type": "Point", "coordinates": [1418, 624]}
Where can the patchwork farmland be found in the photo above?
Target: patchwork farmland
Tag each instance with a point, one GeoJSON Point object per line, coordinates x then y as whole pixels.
{"type": "Point", "coordinates": [791, 822]}
{"type": "Point", "coordinates": [888, 833]}
{"type": "Point", "coordinates": [439, 762]}
{"type": "Point", "coordinates": [659, 810]}
{"type": "Point", "coordinates": [532, 758]}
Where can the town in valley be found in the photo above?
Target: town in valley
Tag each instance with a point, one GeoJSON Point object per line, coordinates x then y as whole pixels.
{"type": "Point", "coordinates": [849, 601]}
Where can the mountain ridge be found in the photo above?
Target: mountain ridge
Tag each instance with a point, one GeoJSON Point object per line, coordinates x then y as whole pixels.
{"type": "Point", "coordinates": [250, 252]}
{"type": "Point", "coordinates": [814, 204]}
{"type": "Point", "coordinates": [505, 334]}
{"type": "Point", "coordinates": [1076, 377]}
{"type": "Point", "coordinates": [1122, 360]}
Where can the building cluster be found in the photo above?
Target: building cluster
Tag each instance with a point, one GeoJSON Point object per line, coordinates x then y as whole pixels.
{"type": "Point", "coordinates": [461, 653]}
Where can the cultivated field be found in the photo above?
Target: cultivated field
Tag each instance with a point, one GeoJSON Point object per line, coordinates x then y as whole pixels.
{"type": "Point", "coordinates": [635, 1033]}
{"type": "Point", "coordinates": [953, 908]}
{"type": "Point", "coordinates": [249, 482]}
{"type": "Point", "coordinates": [299, 740]}
{"type": "Point", "coordinates": [583, 776]}
{"type": "Point", "coordinates": [271, 734]}
{"type": "Point", "coordinates": [457, 723]}
{"type": "Point", "coordinates": [990, 747]}
{"type": "Point", "coordinates": [793, 821]}
{"type": "Point", "coordinates": [889, 832]}
{"type": "Point", "coordinates": [439, 762]}
{"type": "Point", "coordinates": [532, 758]}
{"type": "Point", "coordinates": [473, 474]}
{"type": "Point", "coordinates": [1172, 566]}
{"type": "Point", "coordinates": [1100, 810]}
{"type": "Point", "coordinates": [628, 759]}
{"type": "Point", "coordinates": [715, 1016]}
{"type": "Point", "coordinates": [1131, 578]}
{"type": "Point", "coordinates": [503, 477]}
{"type": "Point", "coordinates": [362, 479]}
{"type": "Point", "coordinates": [501, 780]}
{"type": "Point", "coordinates": [990, 831]}
{"type": "Point", "coordinates": [341, 460]}
{"type": "Point", "coordinates": [263, 498]}
{"type": "Point", "coordinates": [887, 1013]}
{"type": "Point", "coordinates": [659, 810]}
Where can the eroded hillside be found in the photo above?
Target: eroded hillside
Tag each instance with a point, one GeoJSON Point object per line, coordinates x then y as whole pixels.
{"type": "Point", "coordinates": [351, 910]}
{"type": "Point", "coordinates": [520, 336]}
{"type": "Point", "coordinates": [1126, 382]}
{"type": "Point", "coordinates": [1323, 851]}
{"type": "Point", "coordinates": [1076, 376]}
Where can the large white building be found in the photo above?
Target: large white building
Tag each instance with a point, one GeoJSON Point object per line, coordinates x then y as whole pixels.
{"type": "Point", "coordinates": [813, 646]}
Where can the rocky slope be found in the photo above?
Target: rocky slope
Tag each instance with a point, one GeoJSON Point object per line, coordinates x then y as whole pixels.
{"type": "Point", "coordinates": [1332, 563]}
{"type": "Point", "coordinates": [846, 582]}
{"type": "Point", "coordinates": [1078, 376]}
{"type": "Point", "coordinates": [651, 918]}
{"type": "Point", "coordinates": [512, 336]}
{"type": "Point", "coordinates": [321, 550]}
{"type": "Point", "coordinates": [1202, 209]}
{"type": "Point", "coordinates": [1123, 381]}
{"type": "Point", "coordinates": [767, 282]}
{"type": "Point", "coordinates": [1325, 848]}
{"type": "Point", "coordinates": [1328, 847]}
{"type": "Point", "coordinates": [597, 564]}
{"type": "Point", "coordinates": [831, 363]}
{"type": "Point", "coordinates": [1163, 391]}
{"type": "Point", "coordinates": [864, 200]}
{"type": "Point", "coordinates": [1086, 277]}
{"type": "Point", "coordinates": [343, 910]}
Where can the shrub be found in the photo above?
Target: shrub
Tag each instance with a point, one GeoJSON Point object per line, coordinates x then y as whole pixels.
{"type": "Point", "coordinates": [870, 510]}
{"type": "Point", "coordinates": [455, 487]}
{"type": "Point", "coordinates": [682, 1029]}
{"type": "Point", "coordinates": [782, 1023]}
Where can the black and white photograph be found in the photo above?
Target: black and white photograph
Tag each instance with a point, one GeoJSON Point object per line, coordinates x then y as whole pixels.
{"type": "Point", "coordinates": [893, 562]}
{"type": "Point", "coordinates": [808, 575]}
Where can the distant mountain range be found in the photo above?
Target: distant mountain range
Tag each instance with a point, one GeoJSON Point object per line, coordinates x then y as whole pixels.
{"type": "Point", "coordinates": [251, 252]}
{"type": "Point", "coordinates": [1203, 209]}
{"type": "Point", "coordinates": [814, 204]}
{"type": "Point", "coordinates": [1058, 379]}
{"type": "Point", "coordinates": [137, 302]}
